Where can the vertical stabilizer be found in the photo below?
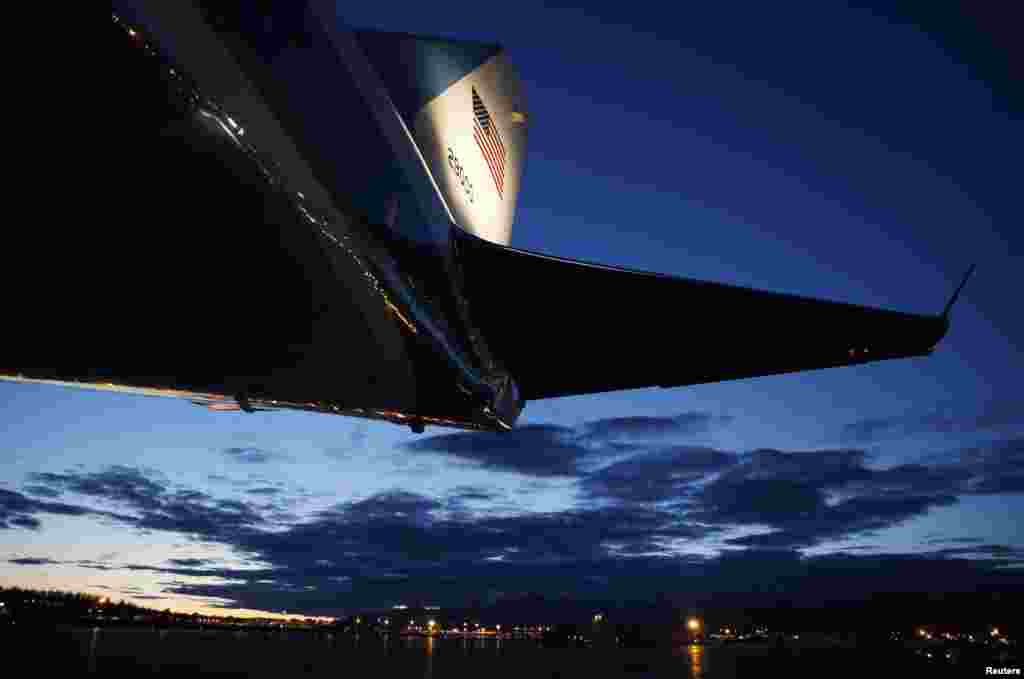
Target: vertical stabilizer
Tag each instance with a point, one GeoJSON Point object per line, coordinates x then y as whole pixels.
{"type": "Point", "coordinates": [464, 105]}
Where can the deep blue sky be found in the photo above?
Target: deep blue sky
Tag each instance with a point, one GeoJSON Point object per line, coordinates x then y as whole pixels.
{"type": "Point", "coordinates": [861, 155]}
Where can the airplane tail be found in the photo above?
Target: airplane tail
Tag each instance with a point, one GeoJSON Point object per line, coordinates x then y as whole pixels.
{"type": "Point", "coordinates": [463, 104]}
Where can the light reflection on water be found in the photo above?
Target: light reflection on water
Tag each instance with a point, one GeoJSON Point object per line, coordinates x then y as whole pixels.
{"type": "Point", "coordinates": [287, 653]}
{"type": "Point", "coordinates": [465, 657]}
{"type": "Point", "coordinates": [696, 661]}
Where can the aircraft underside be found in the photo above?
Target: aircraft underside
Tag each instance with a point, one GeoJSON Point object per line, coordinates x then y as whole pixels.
{"type": "Point", "coordinates": [210, 275]}
{"type": "Point", "coordinates": [274, 224]}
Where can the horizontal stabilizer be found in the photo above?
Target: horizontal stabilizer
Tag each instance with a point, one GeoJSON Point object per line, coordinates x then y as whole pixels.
{"type": "Point", "coordinates": [563, 327]}
{"type": "Point", "coordinates": [956, 293]}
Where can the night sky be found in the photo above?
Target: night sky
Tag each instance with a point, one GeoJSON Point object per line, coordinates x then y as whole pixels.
{"type": "Point", "coordinates": [867, 156]}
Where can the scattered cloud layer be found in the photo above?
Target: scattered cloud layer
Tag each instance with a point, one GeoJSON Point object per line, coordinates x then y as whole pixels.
{"type": "Point", "coordinates": [20, 511]}
{"type": "Point", "coordinates": [660, 475]}
{"type": "Point", "coordinates": [649, 504]}
{"type": "Point", "coordinates": [553, 450]}
{"type": "Point", "coordinates": [537, 450]}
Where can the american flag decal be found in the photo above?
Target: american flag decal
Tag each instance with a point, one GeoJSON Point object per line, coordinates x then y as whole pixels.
{"type": "Point", "coordinates": [488, 138]}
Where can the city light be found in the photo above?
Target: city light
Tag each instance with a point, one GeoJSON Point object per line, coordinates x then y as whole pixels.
{"type": "Point", "coordinates": [93, 608]}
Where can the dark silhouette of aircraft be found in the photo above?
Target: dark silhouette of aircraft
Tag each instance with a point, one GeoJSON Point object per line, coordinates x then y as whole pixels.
{"type": "Point", "coordinates": [294, 214]}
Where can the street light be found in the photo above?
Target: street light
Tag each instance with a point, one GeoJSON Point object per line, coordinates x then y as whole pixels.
{"type": "Point", "coordinates": [693, 624]}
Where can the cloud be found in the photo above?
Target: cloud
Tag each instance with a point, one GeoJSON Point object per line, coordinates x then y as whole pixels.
{"type": "Point", "coordinates": [545, 450]}
{"type": "Point", "coordinates": [203, 518]}
{"type": "Point", "coordinates": [656, 476]}
{"type": "Point", "coordinates": [652, 428]}
{"type": "Point", "coordinates": [855, 516]}
{"type": "Point", "coordinates": [117, 483]}
{"type": "Point", "coordinates": [1005, 553]}
{"type": "Point", "coordinates": [812, 497]}
{"type": "Point", "coordinates": [251, 454]}
{"type": "Point", "coordinates": [264, 491]}
{"type": "Point", "coordinates": [473, 493]}
{"type": "Point", "coordinates": [958, 540]}
{"type": "Point", "coordinates": [360, 433]}
{"type": "Point", "coordinates": [207, 571]}
{"type": "Point", "coordinates": [408, 534]}
{"type": "Point", "coordinates": [996, 466]}
{"type": "Point", "coordinates": [30, 522]}
{"type": "Point", "coordinates": [18, 511]}
{"type": "Point", "coordinates": [537, 450]}
{"type": "Point", "coordinates": [389, 505]}
{"type": "Point", "coordinates": [42, 491]}
{"type": "Point", "coordinates": [760, 501]}
{"type": "Point", "coordinates": [156, 504]}
{"type": "Point", "coordinates": [1003, 414]}
{"type": "Point", "coordinates": [916, 478]}
{"type": "Point", "coordinates": [190, 563]}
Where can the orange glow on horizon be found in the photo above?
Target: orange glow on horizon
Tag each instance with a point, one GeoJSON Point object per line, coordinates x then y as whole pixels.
{"type": "Point", "coordinates": [178, 605]}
